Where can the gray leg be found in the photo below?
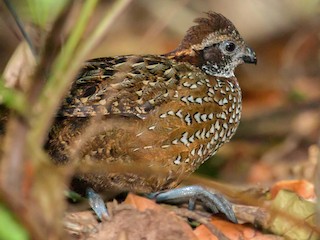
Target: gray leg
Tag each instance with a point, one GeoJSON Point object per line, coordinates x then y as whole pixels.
{"type": "Point", "coordinates": [191, 194]}
{"type": "Point", "coordinates": [97, 204]}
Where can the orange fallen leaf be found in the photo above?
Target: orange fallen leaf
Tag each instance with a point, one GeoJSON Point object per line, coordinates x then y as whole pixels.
{"type": "Point", "coordinates": [231, 231]}
{"type": "Point", "coordinates": [142, 203]}
{"type": "Point", "coordinates": [202, 232]}
{"type": "Point", "coordinates": [302, 188]}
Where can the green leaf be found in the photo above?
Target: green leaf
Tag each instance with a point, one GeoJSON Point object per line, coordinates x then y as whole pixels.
{"type": "Point", "coordinates": [10, 229]}
{"type": "Point", "coordinates": [43, 11]}
{"type": "Point", "coordinates": [12, 98]}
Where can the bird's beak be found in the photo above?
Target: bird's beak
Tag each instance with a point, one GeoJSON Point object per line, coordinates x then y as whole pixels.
{"type": "Point", "coordinates": [249, 56]}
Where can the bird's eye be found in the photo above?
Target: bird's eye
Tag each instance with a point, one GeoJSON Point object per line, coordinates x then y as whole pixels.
{"type": "Point", "coordinates": [229, 46]}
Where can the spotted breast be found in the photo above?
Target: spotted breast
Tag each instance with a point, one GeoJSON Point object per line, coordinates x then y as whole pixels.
{"type": "Point", "coordinates": [143, 123]}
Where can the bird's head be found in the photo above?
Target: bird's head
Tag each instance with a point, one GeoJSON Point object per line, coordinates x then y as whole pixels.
{"type": "Point", "coordinates": [215, 46]}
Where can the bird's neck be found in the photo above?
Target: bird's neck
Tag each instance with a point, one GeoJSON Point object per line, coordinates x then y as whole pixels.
{"type": "Point", "coordinates": [185, 55]}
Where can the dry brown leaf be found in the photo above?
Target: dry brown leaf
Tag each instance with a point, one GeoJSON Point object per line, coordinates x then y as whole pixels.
{"type": "Point", "coordinates": [293, 217]}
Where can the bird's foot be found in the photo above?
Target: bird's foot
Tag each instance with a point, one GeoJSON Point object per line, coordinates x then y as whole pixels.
{"type": "Point", "coordinates": [97, 204]}
{"type": "Point", "coordinates": [191, 194]}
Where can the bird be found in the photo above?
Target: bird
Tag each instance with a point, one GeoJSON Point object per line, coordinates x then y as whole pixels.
{"type": "Point", "coordinates": [165, 114]}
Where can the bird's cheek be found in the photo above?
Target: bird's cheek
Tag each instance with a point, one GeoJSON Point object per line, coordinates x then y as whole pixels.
{"type": "Point", "coordinates": [212, 55]}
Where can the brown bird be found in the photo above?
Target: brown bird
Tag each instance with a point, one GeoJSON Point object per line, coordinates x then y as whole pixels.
{"type": "Point", "coordinates": [169, 112]}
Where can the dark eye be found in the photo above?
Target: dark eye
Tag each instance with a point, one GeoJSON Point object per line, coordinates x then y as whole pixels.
{"type": "Point", "coordinates": [229, 46]}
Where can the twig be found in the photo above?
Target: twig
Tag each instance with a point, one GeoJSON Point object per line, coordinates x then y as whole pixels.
{"type": "Point", "coordinates": [186, 213]}
{"type": "Point", "coordinates": [317, 186]}
{"type": "Point", "coordinates": [20, 26]}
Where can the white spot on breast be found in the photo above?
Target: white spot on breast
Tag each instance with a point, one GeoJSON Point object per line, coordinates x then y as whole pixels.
{"type": "Point", "coordinates": [147, 147]}
{"type": "Point", "coordinates": [198, 134]}
{"type": "Point", "coordinates": [176, 94]}
{"type": "Point", "coordinates": [152, 127]}
{"type": "Point", "coordinates": [217, 125]}
{"type": "Point", "coordinates": [198, 100]}
{"type": "Point", "coordinates": [216, 136]}
{"type": "Point", "coordinates": [184, 99]}
{"type": "Point", "coordinates": [190, 99]}
{"type": "Point", "coordinates": [188, 119]}
{"type": "Point", "coordinates": [203, 117]}
{"type": "Point", "coordinates": [200, 83]}
{"type": "Point", "coordinates": [187, 160]}
{"type": "Point", "coordinates": [210, 116]}
{"type": "Point", "coordinates": [175, 142]}
{"type": "Point", "coordinates": [197, 117]}
{"type": "Point", "coordinates": [165, 146]}
{"type": "Point", "coordinates": [193, 86]}
{"type": "Point", "coordinates": [186, 84]}
{"type": "Point", "coordinates": [151, 101]}
{"type": "Point", "coordinates": [224, 101]}
{"type": "Point", "coordinates": [225, 125]}
{"type": "Point", "coordinates": [207, 99]}
{"type": "Point", "coordinates": [191, 139]}
{"type": "Point", "coordinates": [224, 139]}
{"type": "Point", "coordinates": [170, 113]}
{"type": "Point", "coordinates": [207, 134]}
{"type": "Point", "coordinates": [200, 153]}
{"type": "Point", "coordinates": [205, 151]}
{"type": "Point", "coordinates": [177, 161]}
{"type": "Point", "coordinates": [193, 152]}
{"type": "Point", "coordinates": [184, 139]}
{"type": "Point", "coordinates": [211, 129]}
{"type": "Point", "coordinates": [221, 133]}
{"type": "Point", "coordinates": [139, 134]}
{"type": "Point", "coordinates": [203, 133]}
{"type": "Point", "coordinates": [163, 115]}
{"type": "Point", "coordinates": [179, 114]}
{"type": "Point", "coordinates": [223, 115]}
{"type": "Point", "coordinates": [139, 93]}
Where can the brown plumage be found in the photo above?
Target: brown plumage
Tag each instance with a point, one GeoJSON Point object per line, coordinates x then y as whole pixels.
{"type": "Point", "coordinates": [170, 112]}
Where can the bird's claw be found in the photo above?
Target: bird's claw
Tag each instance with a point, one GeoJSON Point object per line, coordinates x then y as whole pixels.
{"type": "Point", "coordinates": [97, 204]}
{"type": "Point", "coordinates": [192, 194]}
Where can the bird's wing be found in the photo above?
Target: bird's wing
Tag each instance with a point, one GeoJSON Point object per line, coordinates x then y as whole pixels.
{"type": "Point", "coordinates": [123, 85]}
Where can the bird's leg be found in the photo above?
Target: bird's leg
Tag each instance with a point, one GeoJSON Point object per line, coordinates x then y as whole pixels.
{"type": "Point", "coordinates": [191, 194]}
{"type": "Point", "coordinates": [97, 204]}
